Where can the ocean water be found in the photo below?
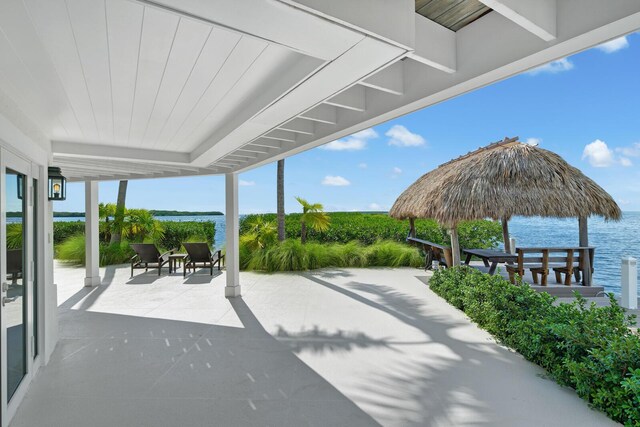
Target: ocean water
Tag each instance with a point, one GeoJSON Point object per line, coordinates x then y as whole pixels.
{"type": "Point", "coordinates": [612, 240]}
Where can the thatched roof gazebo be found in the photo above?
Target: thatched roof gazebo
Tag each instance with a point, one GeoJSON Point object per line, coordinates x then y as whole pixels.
{"type": "Point", "coordinates": [502, 180]}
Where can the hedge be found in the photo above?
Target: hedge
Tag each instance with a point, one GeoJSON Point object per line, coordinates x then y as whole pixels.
{"type": "Point", "coordinates": [368, 228]}
{"type": "Point", "coordinates": [292, 255]}
{"type": "Point", "coordinates": [586, 347]}
{"type": "Point", "coordinates": [175, 232]}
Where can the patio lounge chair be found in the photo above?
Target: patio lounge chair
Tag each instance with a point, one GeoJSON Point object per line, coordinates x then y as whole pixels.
{"type": "Point", "coordinates": [148, 256]}
{"type": "Point", "coordinates": [199, 253]}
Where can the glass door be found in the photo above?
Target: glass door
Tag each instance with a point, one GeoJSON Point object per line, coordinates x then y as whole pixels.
{"type": "Point", "coordinates": [16, 313]}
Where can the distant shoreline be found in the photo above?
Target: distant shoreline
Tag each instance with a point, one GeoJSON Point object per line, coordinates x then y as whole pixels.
{"type": "Point", "coordinates": [153, 212]}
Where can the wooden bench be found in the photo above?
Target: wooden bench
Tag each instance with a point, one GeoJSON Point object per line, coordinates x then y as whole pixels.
{"type": "Point", "coordinates": [433, 251]}
{"type": "Point", "coordinates": [538, 260]}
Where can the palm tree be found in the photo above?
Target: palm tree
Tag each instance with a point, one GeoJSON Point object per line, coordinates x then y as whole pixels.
{"type": "Point", "coordinates": [280, 185]}
{"type": "Point", "coordinates": [140, 225]}
{"type": "Point", "coordinates": [260, 233]}
{"type": "Point", "coordinates": [118, 218]}
{"type": "Point", "coordinates": [313, 217]}
{"type": "Point", "coordinates": [106, 211]}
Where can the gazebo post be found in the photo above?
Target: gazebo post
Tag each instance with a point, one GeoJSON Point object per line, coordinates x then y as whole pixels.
{"type": "Point", "coordinates": [584, 242]}
{"type": "Point", "coordinates": [505, 234]}
{"type": "Point", "coordinates": [455, 246]}
{"type": "Point", "coordinates": [412, 227]}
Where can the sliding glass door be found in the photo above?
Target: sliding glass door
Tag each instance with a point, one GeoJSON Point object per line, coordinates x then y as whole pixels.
{"type": "Point", "coordinates": [17, 299]}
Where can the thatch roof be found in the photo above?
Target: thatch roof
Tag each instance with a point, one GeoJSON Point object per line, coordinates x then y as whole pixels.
{"type": "Point", "coordinates": [502, 180]}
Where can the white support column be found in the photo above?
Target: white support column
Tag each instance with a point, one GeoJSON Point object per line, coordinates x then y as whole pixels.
{"type": "Point", "coordinates": [92, 234]}
{"type": "Point", "coordinates": [629, 283]}
{"type": "Point", "coordinates": [232, 258]}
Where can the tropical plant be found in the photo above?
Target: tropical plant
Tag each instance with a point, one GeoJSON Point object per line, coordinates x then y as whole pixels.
{"type": "Point", "coordinates": [292, 255]}
{"type": "Point", "coordinates": [592, 349]}
{"type": "Point", "coordinates": [139, 224]}
{"type": "Point", "coordinates": [313, 216]}
{"type": "Point", "coordinates": [367, 228]}
{"type": "Point", "coordinates": [260, 234]}
{"type": "Point", "coordinates": [14, 236]}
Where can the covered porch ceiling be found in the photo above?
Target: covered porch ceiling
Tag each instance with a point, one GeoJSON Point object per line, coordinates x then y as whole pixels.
{"type": "Point", "coordinates": [153, 88]}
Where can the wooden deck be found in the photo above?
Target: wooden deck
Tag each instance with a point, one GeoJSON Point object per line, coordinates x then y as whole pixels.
{"type": "Point", "coordinates": [553, 288]}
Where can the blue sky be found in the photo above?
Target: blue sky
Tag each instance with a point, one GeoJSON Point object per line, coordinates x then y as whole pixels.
{"type": "Point", "coordinates": [585, 108]}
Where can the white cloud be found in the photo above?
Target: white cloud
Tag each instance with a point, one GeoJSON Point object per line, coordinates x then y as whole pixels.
{"type": "Point", "coordinates": [355, 142]}
{"type": "Point", "coordinates": [533, 141]}
{"type": "Point", "coordinates": [631, 151]}
{"type": "Point", "coordinates": [614, 45]}
{"type": "Point", "coordinates": [362, 165]}
{"type": "Point", "coordinates": [335, 181]}
{"type": "Point", "coordinates": [375, 207]}
{"type": "Point", "coordinates": [397, 170]}
{"type": "Point", "coordinates": [625, 162]}
{"type": "Point", "coordinates": [624, 201]}
{"type": "Point", "coordinates": [402, 137]}
{"type": "Point", "coordinates": [243, 183]}
{"type": "Point", "coordinates": [553, 67]}
{"type": "Point", "coordinates": [600, 155]}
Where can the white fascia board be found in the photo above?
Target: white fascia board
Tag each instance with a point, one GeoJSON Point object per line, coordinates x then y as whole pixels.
{"type": "Point", "coordinates": [283, 83]}
{"type": "Point", "coordinates": [435, 45]}
{"type": "Point", "coordinates": [391, 21]}
{"type": "Point", "coordinates": [486, 56]}
{"type": "Point", "coordinates": [287, 26]}
{"type": "Point", "coordinates": [100, 176]}
{"type": "Point", "coordinates": [79, 149]}
{"type": "Point", "coordinates": [358, 63]}
{"type": "Point", "coordinates": [535, 16]}
{"type": "Point", "coordinates": [389, 79]}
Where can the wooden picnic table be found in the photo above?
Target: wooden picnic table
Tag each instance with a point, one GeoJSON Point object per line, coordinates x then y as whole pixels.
{"type": "Point", "coordinates": [490, 257]}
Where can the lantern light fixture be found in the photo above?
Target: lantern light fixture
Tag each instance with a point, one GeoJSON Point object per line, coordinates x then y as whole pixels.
{"type": "Point", "coordinates": [57, 184]}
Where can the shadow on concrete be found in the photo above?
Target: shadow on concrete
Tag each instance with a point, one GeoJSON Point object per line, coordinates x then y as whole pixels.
{"type": "Point", "coordinates": [202, 277]}
{"type": "Point", "coordinates": [147, 371]}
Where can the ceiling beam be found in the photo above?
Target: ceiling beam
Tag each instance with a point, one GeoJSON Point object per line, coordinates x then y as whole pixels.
{"type": "Point", "coordinates": [435, 45]}
{"type": "Point", "coordinates": [390, 79]}
{"type": "Point", "coordinates": [322, 113]}
{"type": "Point", "coordinates": [78, 149]}
{"type": "Point", "coordinates": [299, 126]}
{"type": "Point", "coordinates": [281, 135]}
{"type": "Point", "coordinates": [353, 98]}
{"type": "Point", "coordinates": [536, 16]}
{"type": "Point", "coordinates": [391, 21]}
{"type": "Point", "coordinates": [267, 143]}
{"type": "Point", "coordinates": [249, 149]}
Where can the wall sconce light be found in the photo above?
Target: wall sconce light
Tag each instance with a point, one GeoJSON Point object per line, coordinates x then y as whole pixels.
{"type": "Point", "coordinates": [57, 184]}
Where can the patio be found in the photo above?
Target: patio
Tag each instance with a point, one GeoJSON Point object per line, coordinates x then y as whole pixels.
{"type": "Point", "coordinates": [332, 347]}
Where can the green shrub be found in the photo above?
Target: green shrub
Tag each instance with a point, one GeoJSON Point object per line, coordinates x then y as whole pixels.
{"type": "Point", "coordinates": [582, 346]}
{"type": "Point", "coordinates": [176, 232]}
{"type": "Point", "coordinates": [369, 228]}
{"type": "Point", "coordinates": [62, 230]}
{"type": "Point", "coordinates": [292, 255]}
{"type": "Point", "coordinates": [72, 251]}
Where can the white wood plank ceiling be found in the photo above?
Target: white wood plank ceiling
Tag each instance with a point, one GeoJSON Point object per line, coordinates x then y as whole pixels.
{"type": "Point", "coordinates": [126, 88]}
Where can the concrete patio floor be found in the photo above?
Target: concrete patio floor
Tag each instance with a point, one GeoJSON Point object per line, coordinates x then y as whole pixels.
{"type": "Point", "coordinates": [344, 347]}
